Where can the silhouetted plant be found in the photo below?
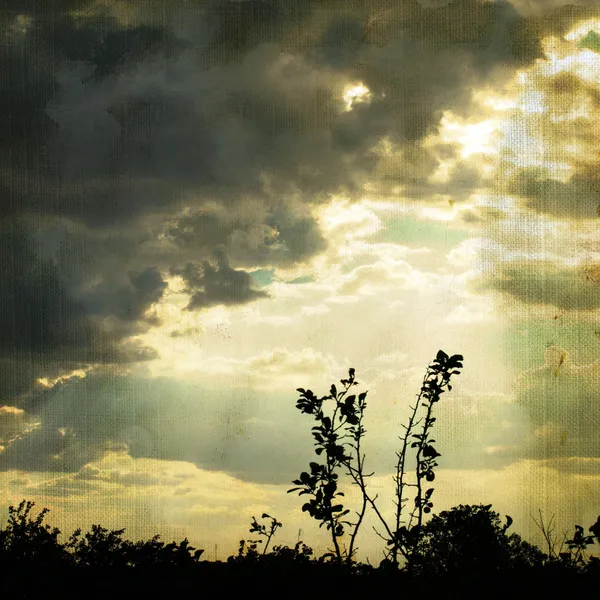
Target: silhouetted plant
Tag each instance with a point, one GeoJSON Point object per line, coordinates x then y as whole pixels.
{"type": "Point", "coordinates": [300, 553]}
{"type": "Point", "coordinates": [335, 435]}
{"type": "Point", "coordinates": [273, 526]}
{"type": "Point", "coordinates": [100, 548]}
{"type": "Point", "coordinates": [554, 544]}
{"type": "Point", "coordinates": [578, 545]}
{"type": "Point", "coordinates": [248, 549]}
{"type": "Point", "coordinates": [470, 539]}
{"type": "Point", "coordinates": [338, 435]}
{"type": "Point", "coordinates": [103, 548]}
{"type": "Point", "coordinates": [436, 382]}
{"type": "Point", "coordinates": [247, 553]}
{"type": "Point", "coordinates": [156, 553]}
{"type": "Point", "coordinates": [27, 539]}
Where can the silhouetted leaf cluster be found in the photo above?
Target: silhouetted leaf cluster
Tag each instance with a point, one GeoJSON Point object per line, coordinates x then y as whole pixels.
{"type": "Point", "coordinates": [337, 435]}
{"type": "Point", "coordinates": [28, 540]}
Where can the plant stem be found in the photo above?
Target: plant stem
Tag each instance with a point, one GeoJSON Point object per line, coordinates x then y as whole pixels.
{"type": "Point", "coordinates": [360, 481]}
{"type": "Point", "coordinates": [400, 473]}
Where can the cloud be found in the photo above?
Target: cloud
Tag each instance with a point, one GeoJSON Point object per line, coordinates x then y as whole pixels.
{"type": "Point", "coordinates": [281, 368]}
{"type": "Point", "coordinates": [216, 286]}
{"type": "Point", "coordinates": [248, 113]}
{"type": "Point", "coordinates": [561, 402]}
{"type": "Point", "coordinates": [556, 16]}
{"type": "Point", "coordinates": [14, 422]}
{"type": "Point", "coordinates": [547, 283]}
{"type": "Point", "coordinates": [272, 370]}
{"type": "Point", "coordinates": [549, 156]}
{"type": "Point", "coordinates": [52, 322]}
{"type": "Point", "coordinates": [576, 198]}
{"type": "Point", "coordinates": [383, 275]}
{"type": "Point", "coordinates": [566, 131]}
{"type": "Point", "coordinates": [139, 141]}
{"type": "Point", "coordinates": [214, 425]}
{"type": "Point", "coordinates": [144, 141]}
{"type": "Point", "coordinates": [147, 496]}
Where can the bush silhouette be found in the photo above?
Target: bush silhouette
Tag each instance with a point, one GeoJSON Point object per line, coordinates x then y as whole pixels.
{"type": "Point", "coordinates": [471, 540]}
{"type": "Point", "coordinates": [460, 552]}
{"type": "Point", "coordinates": [26, 539]}
{"type": "Point", "coordinates": [101, 548]}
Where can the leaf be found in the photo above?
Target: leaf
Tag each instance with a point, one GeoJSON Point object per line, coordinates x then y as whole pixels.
{"type": "Point", "coordinates": [430, 452]}
{"type": "Point", "coordinates": [441, 356]}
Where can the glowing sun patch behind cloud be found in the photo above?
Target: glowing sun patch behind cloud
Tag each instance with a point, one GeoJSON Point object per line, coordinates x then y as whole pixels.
{"type": "Point", "coordinates": [474, 138]}
{"type": "Point", "coordinates": [356, 94]}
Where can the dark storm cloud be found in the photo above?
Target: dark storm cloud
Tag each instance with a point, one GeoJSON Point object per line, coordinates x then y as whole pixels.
{"type": "Point", "coordinates": [131, 116]}
{"type": "Point", "coordinates": [51, 323]}
{"type": "Point", "coordinates": [51, 320]}
{"type": "Point", "coordinates": [128, 303]}
{"type": "Point", "coordinates": [137, 137]}
{"type": "Point", "coordinates": [41, 315]}
{"type": "Point", "coordinates": [212, 286]}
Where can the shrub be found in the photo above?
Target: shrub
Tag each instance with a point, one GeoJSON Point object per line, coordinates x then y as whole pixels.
{"type": "Point", "coordinates": [471, 540]}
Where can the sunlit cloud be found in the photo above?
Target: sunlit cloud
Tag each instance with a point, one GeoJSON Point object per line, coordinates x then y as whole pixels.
{"type": "Point", "coordinates": [356, 94]}
{"type": "Point", "coordinates": [474, 138]}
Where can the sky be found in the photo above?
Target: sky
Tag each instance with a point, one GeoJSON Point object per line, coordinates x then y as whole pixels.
{"type": "Point", "coordinates": [205, 205]}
